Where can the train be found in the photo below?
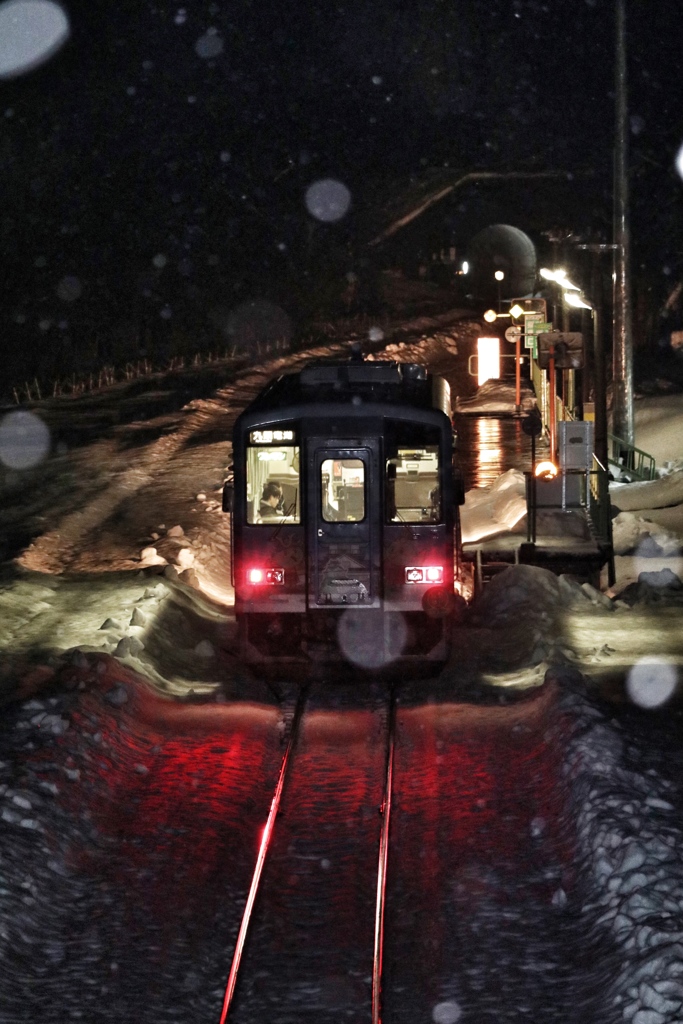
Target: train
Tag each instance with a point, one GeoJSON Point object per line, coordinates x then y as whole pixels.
{"type": "Point", "coordinates": [345, 517]}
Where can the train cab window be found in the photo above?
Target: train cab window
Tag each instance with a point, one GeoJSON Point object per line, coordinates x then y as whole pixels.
{"type": "Point", "coordinates": [273, 484]}
{"type": "Point", "coordinates": [343, 490]}
{"type": "Point", "coordinates": [413, 494]}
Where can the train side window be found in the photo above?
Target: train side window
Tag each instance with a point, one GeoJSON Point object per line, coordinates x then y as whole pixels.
{"type": "Point", "coordinates": [413, 493]}
{"type": "Point", "coordinates": [273, 484]}
{"type": "Point", "coordinates": [342, 490]}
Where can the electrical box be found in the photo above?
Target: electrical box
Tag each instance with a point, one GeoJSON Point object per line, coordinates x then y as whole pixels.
{"type": "Point", "coordinates": [575, 443]}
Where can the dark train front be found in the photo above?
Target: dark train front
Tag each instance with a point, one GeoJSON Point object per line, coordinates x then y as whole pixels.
{"type": "Point", "coordinates": [345, 517]}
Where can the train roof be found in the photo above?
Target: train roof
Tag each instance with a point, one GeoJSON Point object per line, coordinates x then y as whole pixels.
{"type": "Point", "coordinates": [370, 383]}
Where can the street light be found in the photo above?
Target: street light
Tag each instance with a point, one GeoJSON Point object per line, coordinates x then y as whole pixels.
{"type": "Point", "coordinates": [500, 277]}
{"type": "Point", "coordinates": [574, 299]}
{"type": "Point", "coordinates": [559, 277]}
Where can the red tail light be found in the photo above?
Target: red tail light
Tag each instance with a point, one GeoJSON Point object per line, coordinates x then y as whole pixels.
{"type": "Point", "coordinates": [268, 576]}
{"type": "Point", "coordinates": [424, 574]}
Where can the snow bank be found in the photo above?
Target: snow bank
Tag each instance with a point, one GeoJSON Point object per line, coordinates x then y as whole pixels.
{"type": "Point", "coordinates": [516, 626]}
{"type": "Point", "coordinates": [640, 536]}
{"type": "Point", "coordinates": [491, 510]}
{"type": "Point", "coordinates": [154, 623]}
{"type": "Point", "coordinates": [496, 397]}
{"type": "Point", "coordinates": [659, 427]}
{"type": "Point", "coordinates": [629, 836]}
{"type": "Point", "coordinates": [667, 490]}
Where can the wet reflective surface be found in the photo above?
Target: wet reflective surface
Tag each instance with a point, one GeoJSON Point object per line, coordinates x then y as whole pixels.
{"type": "Point", "coordinates": [488, 446]}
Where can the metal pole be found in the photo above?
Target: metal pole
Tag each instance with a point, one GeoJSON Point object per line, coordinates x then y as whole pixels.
{"type": "Point", "coordinates": [623, 339]}
{"type": "Point", "coordinates": [552, 375]}
{"type": "Point", "coordinates": [600, 438]}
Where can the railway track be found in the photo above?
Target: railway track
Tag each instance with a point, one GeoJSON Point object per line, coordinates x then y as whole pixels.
{"type": "Point", "coordinates": [240, 966]}
{"type": "Point", "coordinates": [411, 868]}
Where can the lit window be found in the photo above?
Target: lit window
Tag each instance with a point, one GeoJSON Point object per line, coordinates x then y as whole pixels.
{"type": "Point", "coordinates": [413, 491]}
{"type": "Point", "coordinates": [342, 486]}
{"type": "Point", "coordinates": [273, 482]}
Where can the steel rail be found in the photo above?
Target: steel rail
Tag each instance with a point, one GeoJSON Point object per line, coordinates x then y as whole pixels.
{"type": "Point", "coordinates": [261, 859]}
{"type": "Point", "coordinates": [385, 811]}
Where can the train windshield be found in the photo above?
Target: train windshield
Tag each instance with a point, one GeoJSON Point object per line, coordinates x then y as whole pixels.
{"type": "Point", "coordinates": [413, 493]}
{"type": "Point", "coordinates": [343, 490]}
{"type": "Point", "coordinates": [273, 484]}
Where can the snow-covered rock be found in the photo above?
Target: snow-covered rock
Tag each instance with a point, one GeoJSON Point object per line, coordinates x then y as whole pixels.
{"type": "Point", "coordinates": [184, 557]}
{"type": "Point", "coordinates": [205, 649]}
{"type": "Point", "coordinates": [150, 556]}
{"type": "Point", "coordinates": [633, 534]}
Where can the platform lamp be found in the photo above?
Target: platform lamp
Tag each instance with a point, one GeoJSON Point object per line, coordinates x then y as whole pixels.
{"type": "Point", "coordinates": [500, 277]}
{"type": "Point", "coordinates": [559, 277]}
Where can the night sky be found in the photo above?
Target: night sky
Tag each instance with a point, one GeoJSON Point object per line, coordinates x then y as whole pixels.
{"type": "Point", "coordinates": [154, 171]}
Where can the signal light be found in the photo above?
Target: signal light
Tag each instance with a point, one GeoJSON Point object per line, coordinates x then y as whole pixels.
{"type": "Point", "coordinates": [424, 574]}
{"type": "Point", "coordinates": [546, 470]}
{"type": "Point", "coordinates": [267, 576]}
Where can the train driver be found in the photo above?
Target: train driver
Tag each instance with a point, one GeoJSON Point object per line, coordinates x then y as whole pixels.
{"type": "Point", "coordinates": [271, 501]}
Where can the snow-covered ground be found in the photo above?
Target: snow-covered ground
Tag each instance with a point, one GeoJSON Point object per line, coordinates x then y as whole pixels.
{"type": "Point", "coordinates": [90, 613]}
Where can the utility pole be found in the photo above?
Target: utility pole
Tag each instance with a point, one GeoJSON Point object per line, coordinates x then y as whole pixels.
{"type": "Point", "coordinates": [623, 337]}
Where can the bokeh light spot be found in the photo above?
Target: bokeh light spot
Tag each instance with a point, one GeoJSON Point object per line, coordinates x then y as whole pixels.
{"type": "Point", "coordinates": [679, 162]}
{"type": "Point", "coordinates": [69, 289]}
{"type": "Point", "coordinates": [24, 440]}
{"type": "Point", "coordinates": [371, 641]}
{"type": "Point", "coordinates": [31, 31]}
{"type": "Point", "coordinates": [651, 682]}
{"type": "Point", "coordinates": [328, 200]}
{"type": "Point", "coordinates": [448, 1012]}
{"type": "Point", "coordinates": [209, 45]}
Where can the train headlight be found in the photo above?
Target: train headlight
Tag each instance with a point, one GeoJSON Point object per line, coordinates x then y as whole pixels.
{"type": "Point", "coordinates": [267, 576]}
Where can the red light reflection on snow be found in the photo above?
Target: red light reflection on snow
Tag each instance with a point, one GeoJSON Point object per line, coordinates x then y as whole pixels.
{"type": "Point", "coordinates": [479, 813]}
{"type": "Point", "coordinates": [474, 784]}
{"type": "Point", "coordinates": [172, 789]}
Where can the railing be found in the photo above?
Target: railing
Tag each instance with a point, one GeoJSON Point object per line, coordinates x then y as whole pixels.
{"type": "Point", "coordinates": [578, 489]}
{"type": "Point", "coordinates": [633, 463]}
{"type": "Point", "coordinates": [598, 502]}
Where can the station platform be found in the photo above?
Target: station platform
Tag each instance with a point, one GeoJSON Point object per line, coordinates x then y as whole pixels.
{"type": "Point", "coordinates": [565, 543]}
